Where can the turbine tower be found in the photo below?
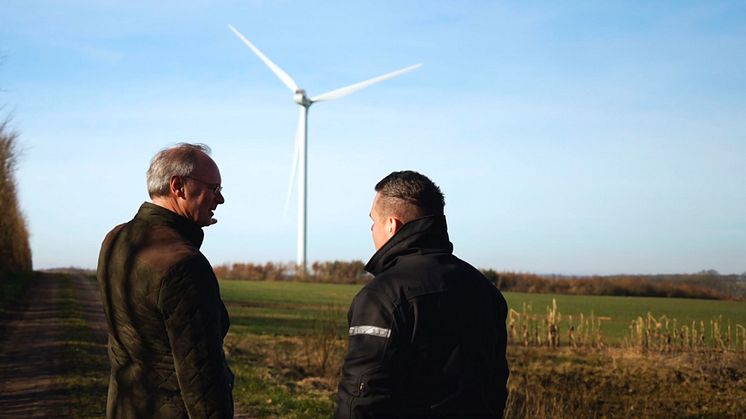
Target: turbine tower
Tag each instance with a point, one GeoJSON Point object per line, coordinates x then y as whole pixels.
{"type": "Point", "coordinates": [300, 158]}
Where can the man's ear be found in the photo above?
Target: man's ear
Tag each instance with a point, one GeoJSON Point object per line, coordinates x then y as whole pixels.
{"type": "Point", "coordinates": [393, 224]}
{"type": "Point", "coordinates": [176, 184]}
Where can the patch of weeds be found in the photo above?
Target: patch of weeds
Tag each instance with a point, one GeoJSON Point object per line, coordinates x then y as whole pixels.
{"type": "Point", "coordinates": [264, 392]}
{"type": "Point", "coordinates": [618, 384]}
{"type": "Point", "coordinates": [272, 379]}
{"type": "Point", "coordinates": [85, 366]}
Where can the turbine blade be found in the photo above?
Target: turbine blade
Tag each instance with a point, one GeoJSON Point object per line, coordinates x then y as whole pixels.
{"type": "Point", "coordinates": [344, 91]}
{"type": "Point", "coordinates": [283, 76]}
{"type": "Point", "coordinates": [296, 156]}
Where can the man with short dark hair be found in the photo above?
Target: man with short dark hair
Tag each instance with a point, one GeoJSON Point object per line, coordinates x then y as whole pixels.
{"type": "Point", "coordinates": [161, 298]}
{"type": "Point", "coordinates": [427, 335]}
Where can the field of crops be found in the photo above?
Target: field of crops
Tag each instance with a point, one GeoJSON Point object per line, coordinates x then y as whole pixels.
{"type": "Point", "coordinates": [289, 307]}
{"type": "Point", "coordinates": [287, 343]}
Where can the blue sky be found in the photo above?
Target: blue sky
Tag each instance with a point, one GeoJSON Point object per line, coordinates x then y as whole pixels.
{"type": "Point", "coordinates": [581, 137]}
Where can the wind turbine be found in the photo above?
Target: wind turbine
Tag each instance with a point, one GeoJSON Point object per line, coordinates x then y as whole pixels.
{"type": "Point", "coordinates": [301, 136]}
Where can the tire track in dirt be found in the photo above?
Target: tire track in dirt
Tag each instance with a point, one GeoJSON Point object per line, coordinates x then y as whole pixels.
{"type": "Point", "coordinates": [32, 347]}
{"type": "Point", "coordinates": [30, 354]}
{"type": "Point", "coordinates": [93, 311]}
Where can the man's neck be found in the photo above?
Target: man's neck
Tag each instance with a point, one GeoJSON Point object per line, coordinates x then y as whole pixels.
{"type": "Point", "coordinates": [167, 203]}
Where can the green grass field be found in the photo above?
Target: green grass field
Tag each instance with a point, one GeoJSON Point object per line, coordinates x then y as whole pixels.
{"type": "Point", "coordinates": [289, 308]}
{"type": "Point", "coordinates": [283, 308]}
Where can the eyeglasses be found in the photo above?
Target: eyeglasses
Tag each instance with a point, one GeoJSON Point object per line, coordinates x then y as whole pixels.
{"type": "Point", "coordinates": [215, 188]}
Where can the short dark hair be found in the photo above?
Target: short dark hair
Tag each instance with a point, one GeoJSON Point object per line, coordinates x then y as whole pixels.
{"type": "Point", "coordinates": [409, 195]}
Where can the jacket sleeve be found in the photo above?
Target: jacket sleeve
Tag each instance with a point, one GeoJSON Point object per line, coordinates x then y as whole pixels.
{"type": "Point", "coordinates": [367, 374]}
{"type": "Point", "coordinates": [191, 306]}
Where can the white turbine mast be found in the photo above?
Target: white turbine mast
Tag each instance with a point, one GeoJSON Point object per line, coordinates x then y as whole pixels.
{"type": "Point", "coordinates": [301, 136]}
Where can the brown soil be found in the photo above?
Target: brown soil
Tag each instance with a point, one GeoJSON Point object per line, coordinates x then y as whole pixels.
{"type": "Point", "coordinates": [31, 346]}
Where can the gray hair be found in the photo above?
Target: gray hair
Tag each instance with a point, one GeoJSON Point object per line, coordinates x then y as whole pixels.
{"type": "Point", "coordinates": [179, 160]}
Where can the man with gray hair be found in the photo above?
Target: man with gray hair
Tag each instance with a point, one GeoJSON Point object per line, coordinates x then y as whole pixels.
{"type": "Point", "coordinates": [161, 298]}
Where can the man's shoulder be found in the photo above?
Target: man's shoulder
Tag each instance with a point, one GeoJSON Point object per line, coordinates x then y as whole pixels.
{"type": "Point", "coordinates": [408, 277]}
{"type": "Point", "coordinates": [166, 248]}
{"type": "Point", "coordinates": [157, 246]}
{"type": "Point", "coordinates": [422, 265]}
{"type": "Point", "coordinates": [113, 233]}
{"type": "Point", "coordinates": [418, 274]}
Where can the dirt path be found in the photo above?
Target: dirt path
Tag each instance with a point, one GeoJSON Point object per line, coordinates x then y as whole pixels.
{"type": "Point", "coordinates": [31, 348]}
{"type": "Point", "coordinates": [34, 380]}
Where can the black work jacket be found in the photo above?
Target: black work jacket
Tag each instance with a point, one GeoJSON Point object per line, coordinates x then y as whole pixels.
{"type": "Point", "coordinates": [427, 334]}
{"type": "Point", "coordinates": [166, 321]}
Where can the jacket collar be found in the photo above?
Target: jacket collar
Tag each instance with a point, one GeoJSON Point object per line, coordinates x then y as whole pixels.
{"type": "Point", "coordinates": [156, 215]}
{"type": "Point", "coordinates": [423, 235]}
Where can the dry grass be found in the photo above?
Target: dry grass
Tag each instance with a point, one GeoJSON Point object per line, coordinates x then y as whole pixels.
{"type": "Point", "coordinates": [664, 369]}
{"type": "Point", "coordinates": [528, 329]}
{"type": "Point", "coordinates": [550, 377]}
{"type": "Point", "coordinates": [646, 334]}
{"type": "Point", "coordinates": [663, 334]}
{"type": "Point", "coordinates": [289, 376]}
{"type": "Point", "coordinates": [289, 358]}
{"type": "Point", "coordinates": [559, 383]}
{"type": "Point", "coordinates": [15, 252]}
{"type": "Point", "coordinates": [616, 382]}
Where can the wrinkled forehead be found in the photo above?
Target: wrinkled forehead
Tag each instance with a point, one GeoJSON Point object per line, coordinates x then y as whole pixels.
{"type": "Point", "coordinates": [206, 169]}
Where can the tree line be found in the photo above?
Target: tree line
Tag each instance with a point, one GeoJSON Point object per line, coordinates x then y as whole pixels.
{"type": "Point", "coordinates": [704, 284]}
{"type": "Point", "coordinates": [341, 272]}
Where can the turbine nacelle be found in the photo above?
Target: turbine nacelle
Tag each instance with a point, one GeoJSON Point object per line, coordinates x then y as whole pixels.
{"type": "Point", "coordinates": [300, 98]}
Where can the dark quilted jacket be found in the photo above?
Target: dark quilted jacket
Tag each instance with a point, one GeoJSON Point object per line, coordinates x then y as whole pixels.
{"type": "Point", "coordinates": [166, 321]}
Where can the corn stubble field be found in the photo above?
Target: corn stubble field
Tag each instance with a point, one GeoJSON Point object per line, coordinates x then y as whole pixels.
{"type": "Point", "coordinates": [570, 356]}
